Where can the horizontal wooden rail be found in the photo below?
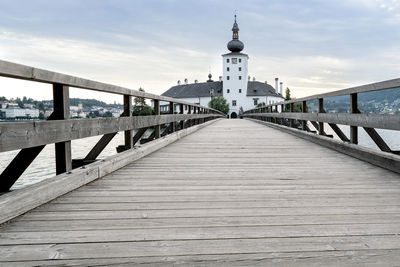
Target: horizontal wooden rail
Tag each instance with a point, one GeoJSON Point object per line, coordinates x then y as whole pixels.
{"type": "Point", "coordinates": [381, 121]}
{"type": "Point", "coordinates": [23, 72]}
{"type": "Point", "coordinates": [31, 137]}
{"type": "Point", "coordinates": [284, 114]}
{"type": "Point", "coordinates": [29, 134]}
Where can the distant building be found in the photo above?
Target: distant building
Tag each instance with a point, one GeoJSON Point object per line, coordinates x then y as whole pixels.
{"type": "Point", "coordinates": [13, 113]}
{"type": "Point", "coordinates": [235, 85]}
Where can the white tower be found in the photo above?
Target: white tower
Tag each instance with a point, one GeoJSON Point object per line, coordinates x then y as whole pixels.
{"type": "Point", "coordinates": [235, 71]}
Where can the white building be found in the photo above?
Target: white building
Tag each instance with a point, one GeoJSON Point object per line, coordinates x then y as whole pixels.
{"type": "Point", "coordinates": [235, 84]}
{"type": "Point", "coordinates": [11, 113]}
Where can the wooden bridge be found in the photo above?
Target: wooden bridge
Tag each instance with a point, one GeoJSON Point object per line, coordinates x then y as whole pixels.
{"type": "Point", "coordinates": [265, 190]}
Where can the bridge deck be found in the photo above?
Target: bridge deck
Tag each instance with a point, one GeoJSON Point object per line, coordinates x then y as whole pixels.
{"type": "Point", "coordinates": [233, 193]}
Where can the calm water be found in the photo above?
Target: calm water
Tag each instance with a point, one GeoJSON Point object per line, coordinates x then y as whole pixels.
{"type": "Point", "coordinates": [43, 166]}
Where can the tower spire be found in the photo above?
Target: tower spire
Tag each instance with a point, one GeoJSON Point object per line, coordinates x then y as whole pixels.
{"type": "Point", "coordinates": [235, 45]}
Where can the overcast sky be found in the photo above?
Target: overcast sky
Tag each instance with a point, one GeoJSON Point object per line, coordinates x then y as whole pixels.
{"type": "Point", "coordinates": [313, 46]}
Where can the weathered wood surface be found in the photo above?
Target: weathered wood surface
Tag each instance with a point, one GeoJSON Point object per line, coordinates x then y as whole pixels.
{"type": "Point", "coordinates": [235, 193]}
{"type": "Point", "coordinates": [29, 134]}
{"type": "Point", "coordinates": [18, 71]}
{"type": "Point", "coordinates": [380, 121]}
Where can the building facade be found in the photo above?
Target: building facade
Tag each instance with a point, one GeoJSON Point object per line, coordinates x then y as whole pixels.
{"type": "Point", "coordinates": [235, 85]}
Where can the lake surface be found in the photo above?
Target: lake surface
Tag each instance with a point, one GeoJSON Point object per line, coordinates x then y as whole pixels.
{"type": "Point", "coordinates": [44, 165]}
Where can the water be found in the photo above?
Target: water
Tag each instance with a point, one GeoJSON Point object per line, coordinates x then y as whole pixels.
{"type": "Point", "coordinates": [44, 165]}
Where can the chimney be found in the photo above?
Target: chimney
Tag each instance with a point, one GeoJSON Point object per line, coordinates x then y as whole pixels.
{"type": "Point", "coordinates": [266, 82]}
{"type": "Point", "coordinates": [186, 81]}
{"type": "Point", "coordinates": [254, 79]}
{"type": "Point", "coordinates": [195, 81]}
{"type": "Point", "coordinates": [249, 78]}
{"type": "Point", "coordinates": [276, 85]}
{"type": "Point", "coordinates": [220, 78]}
{"type": "Point", "coordinates": [282, 88]}
{"type": "Point", "coordinates": [179, 82]}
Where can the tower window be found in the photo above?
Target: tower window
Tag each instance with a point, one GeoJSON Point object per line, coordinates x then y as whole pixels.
{"type": "Point", "coordinates": [240, 68]}
{"type": "Point", "coordinates": [228, 91]}
{"type": "Point", "coordinates": [255, 101]}
{"type": "Point", "coordinates": [234, 60]}
{"type": "Point", "coordinates": [227, 77]}
{"type": "Point", "coordinates": [227, 69]}
{"type": "Point", "coordinates": [240, 91]}
{"type": "Point", "coordinates": [227, 60]}
{"type": "Point", "coordinates": [240, 60]}
{"type": "Point", "coordinates": [234, 103]}
{"type": "Point", "coordinates": [240, 77]}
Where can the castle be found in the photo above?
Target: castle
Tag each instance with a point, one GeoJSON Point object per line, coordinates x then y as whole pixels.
{"type": "Point", "coordinates": [234, 85]}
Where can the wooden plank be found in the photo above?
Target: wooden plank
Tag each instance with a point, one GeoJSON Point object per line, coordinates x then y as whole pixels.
{"type": "Point", "coordinates": [128, 113]}
{"type": "Point", "coordinates": [216, 198]}
{"type": "Point", "coordinates": [28, 134]}
{"type": "Point", "coordinates": [61, 112]}
{"type": "Point", "coordinates": [197, 247]}
{"type": "Point", "coordinates": [18, 71]}
{"type": "Point", "coordinates": [380, 121]}
{"type": "Point", "coordinates": [99, 147]}
{"type": "Point", "coordinates": [18, 202]}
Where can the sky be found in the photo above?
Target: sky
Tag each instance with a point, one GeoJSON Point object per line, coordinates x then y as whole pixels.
{"type": "Point", "coordinates": [312, 46]}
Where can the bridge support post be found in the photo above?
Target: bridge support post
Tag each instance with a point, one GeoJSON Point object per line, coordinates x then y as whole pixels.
{"type": "Point", "coordinates": [321, 110]}
{"type": "Point", "coordinates": [304, 110]}
{"type": "Point", "coordinates": [182, 123]}
{"type": "Point", "coordinates": [353, 109]}
{"type": "Point", "coordinates": [171, 111]}
{"type": "Point", "coordinates": [157, 112]}
{"type": "Point", "coordinates": [128, 113]}
{"type": "Point", "coordinates": [61, 112]}
{"type": "Point", "coordinates": [291, 110]}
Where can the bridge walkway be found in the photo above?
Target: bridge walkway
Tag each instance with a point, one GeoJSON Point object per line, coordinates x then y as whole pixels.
{"type": "Point", "coordinates": [234, 193]}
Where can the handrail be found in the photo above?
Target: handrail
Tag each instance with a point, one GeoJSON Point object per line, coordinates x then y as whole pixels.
{"type": "Point", "coordinates": [23, 72]}
{"type": "Point", "coordinates": [283, 113]}
{"type": "Point", "coordinates": [31, 137]}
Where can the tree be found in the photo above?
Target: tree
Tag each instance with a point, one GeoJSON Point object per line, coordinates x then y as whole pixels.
{"type": "Point", "coordinates": [19, 102]}
{"type": "Point", "coordinates": [219, 103]}
{"type": "Point", "coordinates": [107, 114]}
{"type": "Point", "coordinates": [287, 94]}
{"type": "Point", "coordinates": [140, 108]}
{"type": "Point", "coordinates": [262, 104]}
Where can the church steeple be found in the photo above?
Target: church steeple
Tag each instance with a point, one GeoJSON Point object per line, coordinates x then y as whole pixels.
{"type": "Point", "coordinates": [235, 45]}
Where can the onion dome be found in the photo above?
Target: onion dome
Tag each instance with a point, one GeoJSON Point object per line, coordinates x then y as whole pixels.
{"type": "Point", "coordinates": [235, 45]}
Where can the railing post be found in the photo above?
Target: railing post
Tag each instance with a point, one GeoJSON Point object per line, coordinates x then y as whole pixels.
{"type": "Point", "coordinates": [182, 123]}
{"type": "Point", "coordinates": [157, 113]}
{"type": "Point", "coordinates": [128, 113]}
{"type": "Point", "coordinates": [353, 109]}
{"type": "Point", "coordinates": [189, 122]}
{"type": "Point", "coordinates": [321, 110]}
{"type": "Point", "coordinates": [291, 111]}
{"type": "Point", "coordinates": [304, 110]}
{"type": "Point", "coordinates": [61, 112]}
{"type": "Point", "coordinates": [171, 111]}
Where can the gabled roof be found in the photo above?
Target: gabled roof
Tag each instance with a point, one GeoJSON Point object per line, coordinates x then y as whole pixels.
{"type": "Point", "coordinates": [194, 90]}
{"type": "Point", "coordinates": [260, 89]}
{"type": "Point", "coordinates": [203, 90]}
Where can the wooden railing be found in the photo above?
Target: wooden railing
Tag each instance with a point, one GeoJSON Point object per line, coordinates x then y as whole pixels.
{"type": "Point", "coordinates": [284, 114]}
{"type": "Point", "coordinates": [31, 137]}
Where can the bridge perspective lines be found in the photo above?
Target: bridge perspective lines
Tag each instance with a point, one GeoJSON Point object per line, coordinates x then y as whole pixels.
{"type": "Point", "coordinates": [233, 193]}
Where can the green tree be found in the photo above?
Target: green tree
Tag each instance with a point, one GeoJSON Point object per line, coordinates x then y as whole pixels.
{"type": "Point", "coordinates": [262, 104]}
{"type": "Point", "coordinates": [219, 103]}
{"type": "Point", "coordinates": [107, 114]}
{"type": "Point", "coordinates": [140, 108]}
{"type": "Point", "coordinates": [287, 94]}
{"type": "Point", "coordinates": [20, 103]}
